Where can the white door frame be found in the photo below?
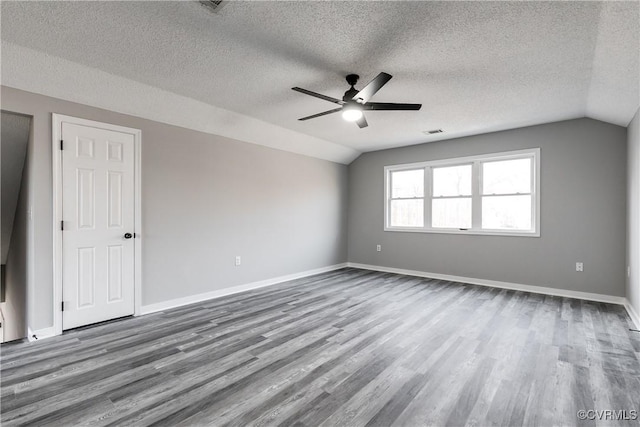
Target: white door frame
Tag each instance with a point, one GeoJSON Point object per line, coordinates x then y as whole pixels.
{"type": "Point", "coordinates": [57, 120]}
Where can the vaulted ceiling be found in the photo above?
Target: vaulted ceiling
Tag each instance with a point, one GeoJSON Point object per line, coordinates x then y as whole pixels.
{"type": "Point", "coordinates": [475, 66]}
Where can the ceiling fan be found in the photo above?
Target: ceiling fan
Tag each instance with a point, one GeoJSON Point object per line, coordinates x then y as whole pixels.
{"type": "Point", "coordinates": [355, 102]}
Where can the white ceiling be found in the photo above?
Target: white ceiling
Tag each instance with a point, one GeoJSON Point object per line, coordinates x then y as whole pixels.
{"type": "Point", "coordinates": [475, 66]}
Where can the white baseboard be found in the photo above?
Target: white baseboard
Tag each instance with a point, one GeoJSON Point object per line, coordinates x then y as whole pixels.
{"type": "Point", "coordinates": [497, 284]}
{"type": "Point", "coordinates": [632, 313]}
{"type": "Point", "coordinates": [178, 302]}
{"type": "Point", "coordinates": [40, 334]}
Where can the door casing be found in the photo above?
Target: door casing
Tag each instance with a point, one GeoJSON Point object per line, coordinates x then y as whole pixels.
{"type": "Point", "coordinates": [57, 120]}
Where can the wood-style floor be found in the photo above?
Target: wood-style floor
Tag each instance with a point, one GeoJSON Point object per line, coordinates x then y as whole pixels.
{"type": "Point", "coordinates": [346, 348]}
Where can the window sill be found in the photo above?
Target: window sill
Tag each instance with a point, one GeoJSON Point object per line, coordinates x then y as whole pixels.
{"type": "Point", "coordinates": [465, 232]}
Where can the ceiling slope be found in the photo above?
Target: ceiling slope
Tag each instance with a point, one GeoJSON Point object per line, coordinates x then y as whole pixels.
{"type": "Point", "coordinates": [21, 69]}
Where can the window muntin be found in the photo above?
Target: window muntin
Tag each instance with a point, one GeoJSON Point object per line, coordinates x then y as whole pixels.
{"type": "Point", "coordinates": [486, 194]}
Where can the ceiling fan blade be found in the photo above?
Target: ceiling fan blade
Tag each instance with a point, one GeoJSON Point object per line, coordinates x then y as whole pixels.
{"type": "Point", "coordinates": [374, 85]}
{"type": "Point", "coordinates": [335, 110]}
{"type": "Point", "coordinates": [390, 106]}
{"type": "Point", "coordinates": [362, 122]}
{"type": "Point", "coordinates": [318, 95]}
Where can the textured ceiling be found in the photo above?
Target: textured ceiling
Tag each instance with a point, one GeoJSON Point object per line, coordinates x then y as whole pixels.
{"type": "Point", "coordinates": [475, 66]}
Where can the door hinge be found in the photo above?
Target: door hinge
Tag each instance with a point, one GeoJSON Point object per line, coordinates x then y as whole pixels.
{"type": "Point", "coordinates": [61, 144]}
{"type": "Point", "coordinates": [62, 305]}
{"type": "Point", "coordinates": [62, 225]}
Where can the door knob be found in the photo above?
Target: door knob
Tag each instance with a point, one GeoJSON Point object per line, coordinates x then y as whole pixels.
{"type": "Point", "coordinates": [128, 235]}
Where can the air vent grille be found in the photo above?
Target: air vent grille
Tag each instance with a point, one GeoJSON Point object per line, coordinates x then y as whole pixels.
{"type": "Point", "coordinates": [213, 5]}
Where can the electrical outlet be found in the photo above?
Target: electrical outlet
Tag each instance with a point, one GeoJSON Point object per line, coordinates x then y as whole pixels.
{"type": "Point", "coordinates": [579, 266]}
{"type": "Point", "coordinates": [238, 260]}
{"type": "Point", "coordinates": [379, 248]}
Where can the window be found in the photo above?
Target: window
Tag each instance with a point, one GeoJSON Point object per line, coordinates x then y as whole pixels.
{"type": "Point", "coordinates": [451, 197]}
{"type": "Point", "coordinates": [489, 194]}
{"type": "Point", "coordinates": [506, 195]}
{"type": "Point", "coordinates": [407, 198]}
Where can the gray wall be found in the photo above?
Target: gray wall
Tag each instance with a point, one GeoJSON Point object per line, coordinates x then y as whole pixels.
{"type": "Point", "coordinates": [633, 212]}
{"type": "Point", "coordinates": [583, 212]}
{"type": "Point", "coordinates": [205, 200]}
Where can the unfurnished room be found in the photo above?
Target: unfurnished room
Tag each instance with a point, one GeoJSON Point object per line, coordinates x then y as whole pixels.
{"type": "Point", "coordinates": [320, 213]}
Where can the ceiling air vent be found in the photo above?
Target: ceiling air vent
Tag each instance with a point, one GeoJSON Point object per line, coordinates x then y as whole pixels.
{"type": "Point", "coordinates": [433, 132]}
{"type": "Point", "coordinates": [213, 5]}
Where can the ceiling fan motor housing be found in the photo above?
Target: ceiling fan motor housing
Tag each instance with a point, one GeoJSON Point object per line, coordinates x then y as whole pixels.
{"type": "Point", "coordinates": [352, 79]}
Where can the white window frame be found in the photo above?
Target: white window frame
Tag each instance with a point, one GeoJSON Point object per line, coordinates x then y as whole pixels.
{"type": "Point", "coordinates": [476, 193]}
{"type": "Point", "coordinates": [423, 198]}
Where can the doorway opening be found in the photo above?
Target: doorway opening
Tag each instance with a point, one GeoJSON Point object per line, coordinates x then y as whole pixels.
{"type": "Point", "coordinates": [15, 221]}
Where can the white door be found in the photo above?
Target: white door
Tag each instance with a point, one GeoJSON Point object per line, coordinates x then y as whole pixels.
{"type": "Point", "coordinates": [98, 225]}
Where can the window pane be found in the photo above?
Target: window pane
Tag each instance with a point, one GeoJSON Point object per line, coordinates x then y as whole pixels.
{"type": "Point", "coordinates": [451, 213]}
{"type": "Point", "coordinates": [506, 177]}
{"type": "Point", "coordinates": [407, 183]}
{"type": "Point", "coordinates": [407, 213]}
{"type": "Point", "coordinates": [506, 212]}
{"type": "Point", "coordinates": [452, 181]}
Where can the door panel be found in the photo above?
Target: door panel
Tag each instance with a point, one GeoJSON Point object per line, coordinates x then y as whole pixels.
{"type": "Point", "coordinates": [86, 277]}
{"type": "Point", "coordinates": [97, 210]}
{"type": "Point", "coordinates": [115, 199]}
{"type": "Point", "coordinates": [115, 273]}
{"type": "Point", "coordinates": [86, 198]}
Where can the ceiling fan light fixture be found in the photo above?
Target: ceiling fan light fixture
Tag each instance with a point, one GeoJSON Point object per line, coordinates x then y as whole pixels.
{"type": "Point", "coordinates": [351, 113]}
{"type": "Point", "coordinates": [354, 101]}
